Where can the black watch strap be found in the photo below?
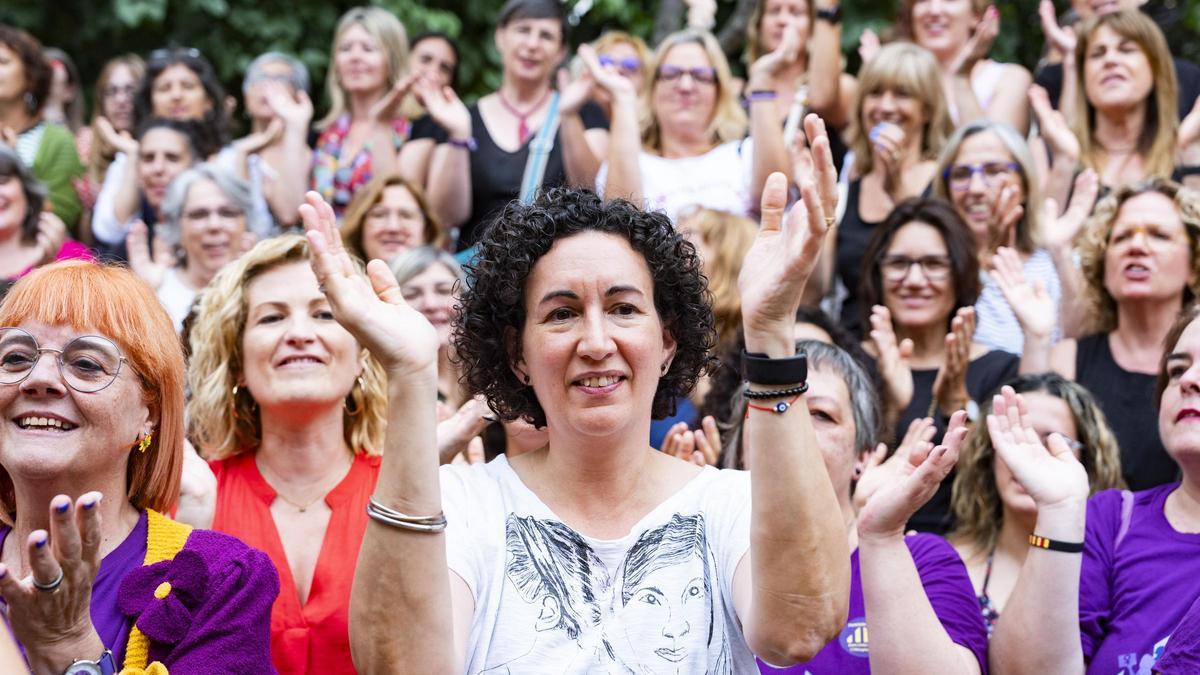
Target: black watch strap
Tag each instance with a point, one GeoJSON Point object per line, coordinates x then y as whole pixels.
{"type": "Point", "coordinates": [760, 369]}
{"type": "Point", "coordinates": [831, 14]}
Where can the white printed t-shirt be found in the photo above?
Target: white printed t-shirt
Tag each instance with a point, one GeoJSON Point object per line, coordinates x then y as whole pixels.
{"type": "Point", "coordinates": [550, 600]}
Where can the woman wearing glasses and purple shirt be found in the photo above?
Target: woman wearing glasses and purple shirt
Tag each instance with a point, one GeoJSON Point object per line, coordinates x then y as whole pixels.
{"type": "Point", "coordinates": [93, 577]}
{"type": "Point", "coordinates": [920, 277]}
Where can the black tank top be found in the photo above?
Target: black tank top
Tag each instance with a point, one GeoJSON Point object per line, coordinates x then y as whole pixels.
{"type": "Point", "coordinates": [1127, 400]}
{"type": "Point", "coordinates": [852, 236]}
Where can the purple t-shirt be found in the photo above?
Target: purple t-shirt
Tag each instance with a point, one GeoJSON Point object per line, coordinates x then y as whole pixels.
{"type": "Point", "coordinates": [1183, 653]}
{"type": "Point", "coordinates": [1132, 596]}
{"type": "Point", "coordinates": [946, 584]}
{"type": "Point", "coordinates": [111, 625]}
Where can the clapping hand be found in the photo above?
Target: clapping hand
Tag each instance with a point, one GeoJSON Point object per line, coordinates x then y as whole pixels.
{"type": "Point", "coordinates": [880, 470]}
{"type": "Point", "coordinates": [49, 611]}
{"type": "Point", "coordinates": [978, 45]}
{"type": "Point", "coordinates": [456, 433]}
{"type": "Point", "coordinates": [445, 107]}
{"type": "Point", "coordinates": [950, 385]}
{"type": "Point", "coordinates": [769, 66]}
{"type": "Point", "coordinates": [913, 484]}
{"type": "Point", "coordinates": [1059, 231]}
{"type": "Point", "coordinates": [150, 266]}
{"type": "Point", "coordinates": [51, 233]}
{"type": "Point", "coordinates": [1005, 216]}
{"type": "Point", "coordinates": [778, 264]}
{"type": "Point", "coordinates": [1052, 476]}
{"type": "Point", "coordinates": [1031, 304]}
{"type": "Point", "coordinates": [1062, 39]}
{"type": "Point", "coordinates": [295, 109]}
{"type": "Point", "coordinates": [120, 141]}
{"type": "Point", "coordinates": [605, 77]}
{"type": "Point", "coordinates": [387, 108]}
{"type": "Point", "coordinates": [868, 45]}
{"type": "Point", "coordinates": [371, 308]}
{"type": "Point", "coordinates": [892, 357]}
{"type": "Point", "coordinates": [700, 446]}
{"type": "Point", "coordinates": [1053, 125]}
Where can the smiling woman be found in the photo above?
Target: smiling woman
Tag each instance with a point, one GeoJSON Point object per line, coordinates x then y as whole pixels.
{"type": "Point", "coordinates": [289, 409]}
{"type": "Point", "coordinates": [91, 389]}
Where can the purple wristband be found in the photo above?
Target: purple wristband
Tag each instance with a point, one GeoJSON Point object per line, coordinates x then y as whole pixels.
{"type": "Point", "coordinates": [467, 143]}
{"type": "Point", "coordinates": [762, 95]}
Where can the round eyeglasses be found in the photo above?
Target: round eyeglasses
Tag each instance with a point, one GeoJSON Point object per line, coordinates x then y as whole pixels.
{"type": "Point", "coordinates": [87, 364]}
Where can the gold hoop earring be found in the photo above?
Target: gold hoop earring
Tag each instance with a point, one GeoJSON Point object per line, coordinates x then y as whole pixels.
{"type": "Point", "coordinates": [355, 409]}
{"type": "Point", "coordinates": [144, 443]}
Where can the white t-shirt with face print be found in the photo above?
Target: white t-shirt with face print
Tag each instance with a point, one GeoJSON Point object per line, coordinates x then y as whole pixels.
{"type": "Point", "coordinates": [550, 600]}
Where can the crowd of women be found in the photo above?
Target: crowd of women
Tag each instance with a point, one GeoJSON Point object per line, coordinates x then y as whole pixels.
{"type": "Point", "coordinates": [660, 363]}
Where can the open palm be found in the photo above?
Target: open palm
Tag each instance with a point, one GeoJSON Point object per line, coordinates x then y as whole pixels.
{"type": "Point", "coordinates": [1051, 475]}
{"type": "Point", "coordinates": [371, 308]}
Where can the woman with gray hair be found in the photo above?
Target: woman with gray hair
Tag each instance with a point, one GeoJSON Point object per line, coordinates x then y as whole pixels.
{"type": "Point", "coordinates": [429, 279]}
{"type": "Point", "coordinates": [276, 152]}
{"type": "Point", "coordinates": [206, 223]}
{"type": "Point", "coordinates": [987, 173]}
{"type": "Point", "coordinates": [912, 594]}
{"type": "Point", "coordinates": [29, 234]}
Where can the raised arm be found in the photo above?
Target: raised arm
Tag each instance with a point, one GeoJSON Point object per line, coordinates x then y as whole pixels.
{"type": "Point", "coordinates": [1007, 103]}
{"type": "Point", "coordinates": [624, 178]}
{"type": "Point", "coordinates": [1039, 629]}
{"type": "Point", "coordinates": [770, 152]}
{"type": "Point", "coordinates": [117, 203]}
{"type": "Point", "coordinates": [287, 193]}
{"type": "Point", "coordinates": [906, 634]}
{"type": "Point", "coordinates": [449, 187]}
{"type": "Point", "coordinates": [1060, 142]}
{"type": "Point", "coordinates": [1058, 235]}
{"type": "Point", "coordinates": [830, 91]}
{"type": "Point", "coordinates": [583, 149]}
{"type": "Point", "coordinates": [400, 606]}
{"type": "Point", "coordinates": [788, 612]}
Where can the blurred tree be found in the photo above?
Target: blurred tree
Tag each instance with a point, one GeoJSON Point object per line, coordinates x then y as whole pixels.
{"type": "Point", "coordinates": [232, 32]}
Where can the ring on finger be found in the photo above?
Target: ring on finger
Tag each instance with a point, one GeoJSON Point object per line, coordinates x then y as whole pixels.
{"type": "Point", "coordinates": [51, 587]}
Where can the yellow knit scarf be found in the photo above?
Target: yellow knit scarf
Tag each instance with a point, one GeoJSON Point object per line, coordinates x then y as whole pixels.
{"type": "Point", "coordinates": [164, 538]}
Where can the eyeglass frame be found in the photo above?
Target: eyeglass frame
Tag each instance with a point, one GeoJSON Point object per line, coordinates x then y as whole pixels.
{"type": "Point", "coordinates": [677, 73]}
{"type": "Point", "coordinates": [629, 64]}
{"type": "Point", "coordinates": [919, 262]}
{"type": "Point", "coordinates": [39, 350]}
{"type": "Point", "coordinates": [174, 54]}
{"type": "Point", "coordinates": [981, 170]}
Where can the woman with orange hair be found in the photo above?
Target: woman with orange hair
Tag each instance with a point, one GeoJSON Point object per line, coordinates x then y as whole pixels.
{"type": "Point", "coordinates": [93, 575]}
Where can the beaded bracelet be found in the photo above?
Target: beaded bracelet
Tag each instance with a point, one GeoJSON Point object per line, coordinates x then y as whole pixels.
{"type": "Point", "coordinates": [753, 394]}
{"type": "Point", "coordinates": [780, 408]}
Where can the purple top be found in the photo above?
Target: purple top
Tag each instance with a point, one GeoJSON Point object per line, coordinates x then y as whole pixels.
{"type": "Point", "coordinates": [1133, 595]}
{"type": "Point", "coordinates": [216, 618]}
{"type": "Point", "coordinates": [1183, 652]}
{"type": "Point", "coordinates": [110, 623]}
{"type": "Point", "coordinates": [946, 584]}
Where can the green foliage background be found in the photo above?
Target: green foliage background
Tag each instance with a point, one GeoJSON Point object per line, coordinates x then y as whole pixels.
{"type": "Point", "coordinates": [232, 32]}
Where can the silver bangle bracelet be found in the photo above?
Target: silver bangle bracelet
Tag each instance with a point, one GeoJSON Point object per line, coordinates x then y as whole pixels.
{"type": "Point", "coordinates": [393, 518]}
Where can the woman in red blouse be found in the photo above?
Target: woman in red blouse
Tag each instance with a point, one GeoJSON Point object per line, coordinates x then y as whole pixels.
{"type": "Point", "coordinates": [288, 408]}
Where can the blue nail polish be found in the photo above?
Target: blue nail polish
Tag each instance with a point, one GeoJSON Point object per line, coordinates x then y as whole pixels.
{"type": "Point", "coordinates": [43, 542]}
{"type": "Point", "coordinates": [62, 508]}
{"type": "Point", "coordinates": [89, 504]}
{"type": "Point", "coordinates": [3, 573]}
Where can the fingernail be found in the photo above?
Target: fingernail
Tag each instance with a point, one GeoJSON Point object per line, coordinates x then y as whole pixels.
{"type": "Point", "coordinates": [89, 503]}
{"type": "Point", "coordinates": [42, 542]}
{"type": "Point", "coordinates": [3, 572]}
{"type": "Point", "coordinates": [62, 508]}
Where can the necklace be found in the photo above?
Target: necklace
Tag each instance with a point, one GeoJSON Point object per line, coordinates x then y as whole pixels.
{"type": "Point", "coordinates": [303, 507]}
{"type": "Point", "coordinates": [522, 117]}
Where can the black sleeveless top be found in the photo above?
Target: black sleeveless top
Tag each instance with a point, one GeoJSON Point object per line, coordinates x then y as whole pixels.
{"type": "Point", "coordinates": [852, 236]}
{"type": "Point", "coordinates": [1127, 400]}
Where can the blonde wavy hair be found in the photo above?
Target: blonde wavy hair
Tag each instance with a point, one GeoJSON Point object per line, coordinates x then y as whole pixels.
{"type": "Point", "coordinates": [975, 501]}
{"type": "Point", "coordinates": [1161, 126]}
{"type": "Point", "coordinates": [912, 70]}
{"type": "Point", "coordinates": [729, 121]}
{"type": "Point", "coordinates": [728, 236]}
{"type": "Point", "coordinates": [1099, 304]}
{"type": "Point", "coordinates": [387, 32]}
{"type": "Point", "coordinates": [224, 423]}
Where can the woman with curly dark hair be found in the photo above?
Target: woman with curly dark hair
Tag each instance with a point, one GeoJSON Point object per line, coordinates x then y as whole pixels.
{"type": "Point", "coordinates": [589, 318]}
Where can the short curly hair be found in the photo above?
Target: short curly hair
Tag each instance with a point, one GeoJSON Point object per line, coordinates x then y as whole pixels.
{"type": "Point", "coordinates": [38, 74]}
{"type": "Point", "coordinates": [492, 309]}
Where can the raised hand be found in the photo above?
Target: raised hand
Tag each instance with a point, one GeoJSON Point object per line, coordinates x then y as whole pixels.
{"type": "Point", "coordinates": [445, 107]}
{"type": "Point", "coordinates": [455, 433]}
{"type": "Point", "coordinates": [296, 110]}
{"type": "Point", "coordinates": [1051, 476]}
{"type": "Point", "coordinates": [778, 264]}
{"type": "Point", "coordinates": [1189, 131]}
{"type": "Point", "coordinates": [950, 385]}
{"type": "Point", "coordinates": [607, 78]}
{"type": "Point", "coordinates": [915, 481]}
{"type": "Point", "coordinates": [51, 233]}
{"type": "Point", "coordinates": [151, 267]}
{"type": "Point", "coordinates": [892, 358]}
{"type": "Point", "coordinates": [700, 446]}
{"type": "Point", "coordinates": [1007, 213]}
{"type": "Point", "coordinates": [868, 45]}
{"type": "Point", "coordinates": [371, 308]}
{"type": "Point", "coordinates": [255, 142]}
{"type": "Point", "coordinates": [573, 93]}
{"type": "Point", "coordinates": [888, 142]}
{"type": "Point", "coordinates": [1062, 39]}
{"type": "Point", "coordinates": [1059, 231]}
{"type": "Point", "coordinates": [765, 70]}
{"type": "Point", "coordinates": [879, 472]}
{"type": "Point", "coordinates": [52, 623]}
{"type": "Point", "coordinates": [1031, 304]}
{"type": "Point", "coordinates": [978, 45]}
{"type": "Point", "coordinates": [121, 141]}
{"type": "Point", "coordinates": [1052, 125]}
{"type": "Point", "coordinates": [387, 108]}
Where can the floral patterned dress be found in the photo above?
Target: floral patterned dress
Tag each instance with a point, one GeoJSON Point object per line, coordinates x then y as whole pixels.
{"type": "Point", "coordinates": [336, 177]}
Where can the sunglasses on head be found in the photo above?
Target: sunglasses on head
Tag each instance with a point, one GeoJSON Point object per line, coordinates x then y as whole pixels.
{"type": "Point", "coordinates": [175, 54]}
